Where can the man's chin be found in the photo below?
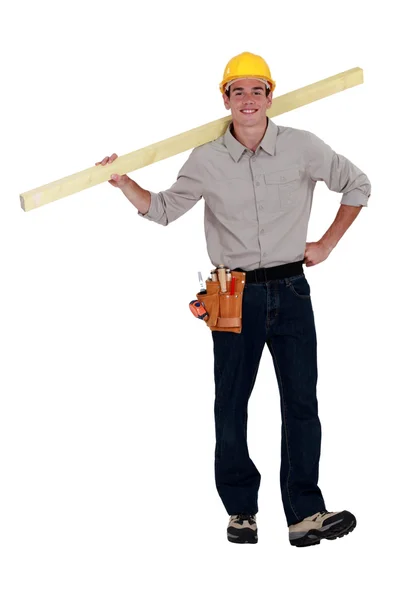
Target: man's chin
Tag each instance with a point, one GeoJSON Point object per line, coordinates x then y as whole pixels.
{"type": "Point", "coordinates": [250, 122]}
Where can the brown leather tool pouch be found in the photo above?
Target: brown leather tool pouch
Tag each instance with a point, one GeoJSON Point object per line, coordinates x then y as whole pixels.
{"type": "Point", "coordinates": [224, 309]}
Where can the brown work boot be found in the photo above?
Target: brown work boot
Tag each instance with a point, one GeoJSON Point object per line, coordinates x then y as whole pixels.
{"type": "Point", "coordinates": [322, 525]}
{"type": "Point", "coordinates": [242, 529]}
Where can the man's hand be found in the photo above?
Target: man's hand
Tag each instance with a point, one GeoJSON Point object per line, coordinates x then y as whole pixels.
{"type": "Point", "coordinates": [118, 181]}
{"type": "Point", "coordinates": [315, 253]}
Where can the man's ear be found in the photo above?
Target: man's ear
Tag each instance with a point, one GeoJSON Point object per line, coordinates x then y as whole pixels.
{"type": "Point", "coordinates": [269, 100]}
{"type": "Point", "coordinates": [226, 102]}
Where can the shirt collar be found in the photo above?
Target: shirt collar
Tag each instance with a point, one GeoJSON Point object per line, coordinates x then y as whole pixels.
{"type": "Point", "coordinates": [268, 143]}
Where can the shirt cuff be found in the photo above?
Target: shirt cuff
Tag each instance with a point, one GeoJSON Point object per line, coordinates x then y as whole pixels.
{"type": "Point", "coordinates": [355, 198]}
{"type": "Point", "coordinates": [150, 215]}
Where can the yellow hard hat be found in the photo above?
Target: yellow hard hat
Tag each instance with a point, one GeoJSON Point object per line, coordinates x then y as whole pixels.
{"type": "Point", "coordinates": [246, 65]}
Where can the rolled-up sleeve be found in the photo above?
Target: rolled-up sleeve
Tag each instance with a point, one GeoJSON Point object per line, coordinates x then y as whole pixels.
{"type": "Point", "coordinates": [169, 205]}
{"type": "Point", "coordinates": [338, 172]}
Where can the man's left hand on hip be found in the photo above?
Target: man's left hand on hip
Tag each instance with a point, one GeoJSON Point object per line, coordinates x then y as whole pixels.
{"type": "Point", "coordinates": [316, 252]}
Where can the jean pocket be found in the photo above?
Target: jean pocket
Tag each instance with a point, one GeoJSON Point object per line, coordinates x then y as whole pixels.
{"type": "Point", "coordinates": [299, 286]}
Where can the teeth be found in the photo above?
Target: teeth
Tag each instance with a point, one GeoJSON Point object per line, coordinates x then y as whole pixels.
{"type": "Point", "coordinates": [248, 111]}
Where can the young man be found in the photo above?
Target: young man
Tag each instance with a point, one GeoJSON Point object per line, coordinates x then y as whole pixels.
{"type": "Point", "coordinates": [257, 181]}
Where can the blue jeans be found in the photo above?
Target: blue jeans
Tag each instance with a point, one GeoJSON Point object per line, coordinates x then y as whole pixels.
{"type": "Point", "coordinates": [280, 314]}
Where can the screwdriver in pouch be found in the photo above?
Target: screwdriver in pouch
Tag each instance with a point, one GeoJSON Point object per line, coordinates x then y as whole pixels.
{"type": "Point", "coordinates": [202, 286]}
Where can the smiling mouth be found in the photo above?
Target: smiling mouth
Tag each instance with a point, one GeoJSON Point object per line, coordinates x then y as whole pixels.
{"type": "Point", "coordinates": [249, 111]}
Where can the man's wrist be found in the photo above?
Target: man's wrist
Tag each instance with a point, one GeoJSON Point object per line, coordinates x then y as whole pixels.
{"type": "Point", "coordinates": [329, 246]}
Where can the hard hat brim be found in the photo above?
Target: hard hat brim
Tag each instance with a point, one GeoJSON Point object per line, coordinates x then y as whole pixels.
{"type": "Point", "coordinates": [230, 80]}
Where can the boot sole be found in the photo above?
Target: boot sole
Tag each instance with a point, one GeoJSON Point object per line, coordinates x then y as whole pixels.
{"type": "Point", "coordinates": [243, 537]}
{"type": "Point", "coordinates": [314, 536]}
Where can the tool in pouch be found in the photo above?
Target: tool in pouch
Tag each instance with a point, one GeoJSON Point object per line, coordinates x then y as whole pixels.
{"type": "Point", "coordinates": [219, 304]}
{"type": "Point", "coordinates": [197, 307]}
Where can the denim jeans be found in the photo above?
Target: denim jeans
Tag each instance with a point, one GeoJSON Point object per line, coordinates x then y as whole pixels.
{"type": "Point", "coordinates": [280, 314]}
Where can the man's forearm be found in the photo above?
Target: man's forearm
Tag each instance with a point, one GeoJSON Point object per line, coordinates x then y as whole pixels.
{"type": "Point", "coordinates": [139, 197]}
{"type": "Point", "coordinates": [344, 218]}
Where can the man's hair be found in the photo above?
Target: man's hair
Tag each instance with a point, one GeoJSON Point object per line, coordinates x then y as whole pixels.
{"type": "Point", "coordinates": [228, 91]}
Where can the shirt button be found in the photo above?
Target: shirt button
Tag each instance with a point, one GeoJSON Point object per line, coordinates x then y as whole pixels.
{"type": "Point", "coordinates": [264, 254]}
{"type": "Point", "coordinates": [262, 231]}
{"type": "Point", "coordinates": [258, 184]}
{"type": "Point", "coordinates": [283, 178]}
{"type": "Point", "coordinates": [253, 158]}
{"type": "Point", "coordinates": [261, 207]}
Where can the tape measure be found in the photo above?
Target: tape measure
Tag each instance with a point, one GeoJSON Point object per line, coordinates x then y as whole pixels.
{"type": "Point", "coordinates": [198, 309]}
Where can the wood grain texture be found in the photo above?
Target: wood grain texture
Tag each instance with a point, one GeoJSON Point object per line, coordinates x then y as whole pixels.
{"type": "Point", "coordinates": [182, 142]}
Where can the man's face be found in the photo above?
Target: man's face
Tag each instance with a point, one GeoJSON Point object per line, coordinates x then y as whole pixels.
{"type": "Point", "coordinates": [248, 102]}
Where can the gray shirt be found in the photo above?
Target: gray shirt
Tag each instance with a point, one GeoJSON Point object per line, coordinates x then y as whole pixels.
{"type": "Point", "coordinates": [257, 204]}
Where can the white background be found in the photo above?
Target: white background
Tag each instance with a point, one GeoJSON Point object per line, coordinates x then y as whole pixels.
{"type": "Point", "coordinates": [107, 390]}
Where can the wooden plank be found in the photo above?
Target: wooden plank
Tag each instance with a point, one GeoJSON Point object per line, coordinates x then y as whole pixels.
{"type": "Point", "coordinates": [182, 142]}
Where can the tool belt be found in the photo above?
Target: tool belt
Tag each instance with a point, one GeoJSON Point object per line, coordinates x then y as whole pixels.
{"type": "Point", "coordinates": [224, 309]}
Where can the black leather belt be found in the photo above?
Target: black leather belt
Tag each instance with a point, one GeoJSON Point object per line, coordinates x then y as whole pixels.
{"type": "Point", "coordinates": [268, 274]}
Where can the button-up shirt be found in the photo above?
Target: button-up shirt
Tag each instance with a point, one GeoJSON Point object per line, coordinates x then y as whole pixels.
{"type": "Point", "coordinates": [257, 204]}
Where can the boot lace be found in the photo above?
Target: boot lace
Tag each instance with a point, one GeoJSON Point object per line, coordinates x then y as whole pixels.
{"type": "Point", "coordinates": [245, 517]}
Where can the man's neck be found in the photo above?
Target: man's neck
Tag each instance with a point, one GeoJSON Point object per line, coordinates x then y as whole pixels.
{"type": "Point", "coordinates": [249, 136]}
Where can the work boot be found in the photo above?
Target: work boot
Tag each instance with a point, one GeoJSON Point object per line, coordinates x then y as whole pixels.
{"type": "Point", "coordinates": [242, 529]}
{"type": "Point", "coordinates": [322, 525]}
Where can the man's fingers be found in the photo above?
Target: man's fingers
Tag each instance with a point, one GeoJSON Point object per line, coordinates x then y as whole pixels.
{"type": "Point", "coordinates": [107, 159]}
{"type": "Point", "coordinates": [118, 178]}
{"type": "Point", "coordinates": [103, 162]}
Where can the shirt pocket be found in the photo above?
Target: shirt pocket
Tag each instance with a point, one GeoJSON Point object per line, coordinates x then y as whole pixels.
{"type": "Point", "coordinates": [282, 187]}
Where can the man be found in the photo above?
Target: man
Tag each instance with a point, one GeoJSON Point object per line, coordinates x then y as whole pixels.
{"type": "Point", "coordinates": [257, 181]}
